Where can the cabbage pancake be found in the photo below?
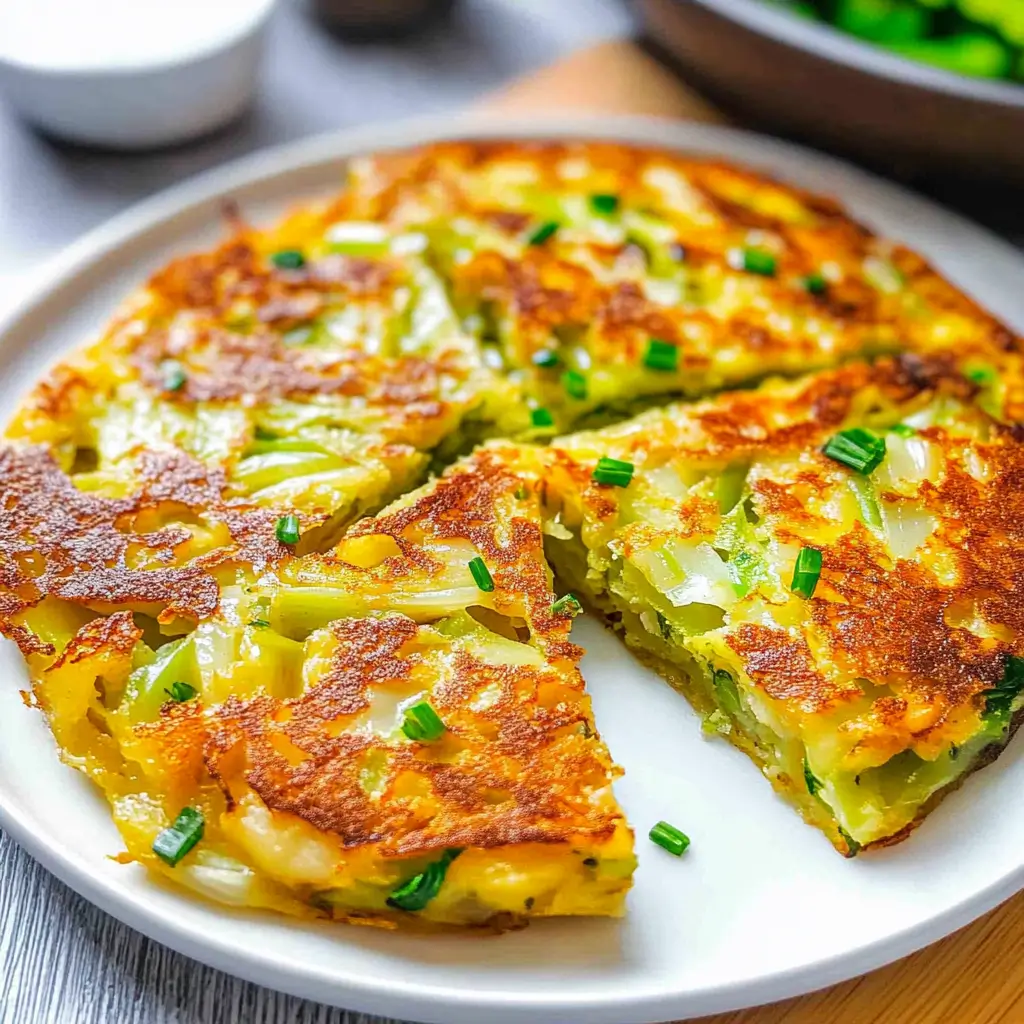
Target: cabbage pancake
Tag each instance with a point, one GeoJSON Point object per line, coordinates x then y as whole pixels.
{"type": "Point", "coordinates": [394, 732]}
{"type": "Point", "coordinates": [315, 373]}
{"type": "Point", "coordinates": [606, 275]}
{"type": "Point", "coordinates": [830, 571]}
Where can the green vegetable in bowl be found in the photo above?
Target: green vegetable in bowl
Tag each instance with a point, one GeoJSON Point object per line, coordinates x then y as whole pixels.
{"type": "Point", "coordinates": [981, 38]}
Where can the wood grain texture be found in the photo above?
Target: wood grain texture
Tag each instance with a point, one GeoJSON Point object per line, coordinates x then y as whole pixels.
{"type": "Point", "coordinates": [64, 961]}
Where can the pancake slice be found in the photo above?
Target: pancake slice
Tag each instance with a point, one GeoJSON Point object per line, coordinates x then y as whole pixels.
{"type": "Point", "coordinates": [828, 569]}
{"type": "Point", "coordinates": [394, 732]}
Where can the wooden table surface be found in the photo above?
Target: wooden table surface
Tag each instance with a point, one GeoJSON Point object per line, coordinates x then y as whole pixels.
{"type": "Point", "coordinates": [63, 960]}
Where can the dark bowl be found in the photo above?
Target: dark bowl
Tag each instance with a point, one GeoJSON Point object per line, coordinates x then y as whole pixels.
{"type": "Point", "coordinates": [810, 80]}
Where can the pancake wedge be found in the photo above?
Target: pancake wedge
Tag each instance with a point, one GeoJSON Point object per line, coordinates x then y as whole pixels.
{"type": "Point", "coordinates": [828, 569]}
{"type": "Point", "coordinates": [314, 374]}
{"type": "Point", "coordinates": [608, 276]}
{"type": "Point", "coordinates": [395, 732]}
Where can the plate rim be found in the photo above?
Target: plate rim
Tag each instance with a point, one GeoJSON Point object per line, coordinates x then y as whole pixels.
{"type": "Point", "coordinates": [444, 1003]}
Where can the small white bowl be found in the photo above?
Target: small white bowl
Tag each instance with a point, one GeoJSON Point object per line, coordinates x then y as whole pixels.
{"type": "Point", "coordinates": [130, 74]}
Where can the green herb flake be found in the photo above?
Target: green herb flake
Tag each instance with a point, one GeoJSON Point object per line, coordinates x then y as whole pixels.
{"type": "Point", "coordinates": [613, 472]}
{"type": "Point", "coordinates": [180, 692]}
{"type": "Point", "coordinates": [999, 699]}
{"type": "Point", "coordinates": [419, 890]}
{"type": "Point", "coordinates": [755, 261]}
{"type": "Point", "coordinates": [806, 572]}
{"type": "Point", "coordinates": [857, 448]}
{"type": "Point", "coordinates": [815, 284]}
{"type": "Point", "coordinates": [668, 837]}
{"type": "Point", "coordinates": [287, 529]}
{"type": "Point", "coordinates": [288, 259]}
{"type": "Point", "coordinates": [604, 203]}
{"type": "Point", "coordinates": [542, 233]}
{"type": "Point", "coordinates": [173, 843]}
{"type": "Point", "coordinates": [575, 384]}
{"type": "Point", "coordinates": [541, 418]}
{"type": "Point", "coordinates": [481, 574]}
{"type": "Point", "coordinates": [661, 356]}
{"type": "Point", "coordinates": [422, 723]}
{"type": "Point", "coordinates": [546, 359]}
{"type": "Point", "coordinates": [568, 605]}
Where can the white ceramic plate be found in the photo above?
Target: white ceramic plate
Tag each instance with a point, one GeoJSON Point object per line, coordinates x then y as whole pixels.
{"type": "Point", "coordinates": [759, 909]}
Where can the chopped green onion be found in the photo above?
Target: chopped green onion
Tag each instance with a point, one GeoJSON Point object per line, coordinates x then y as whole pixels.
{"type": "Point", "coordinates": [422, 723]}
{"type": "Point", "coordinates": [604, 203]}
{"type": "Point", "coordinates": [902, 430]}
{"type": "Point", "coordinates": [180, 691]}
{"type": "Point", "coordinates": [857, 448]}
{"type": "Point", "coordinates": [726, 691]}
{"type": "Point", "coordinates": [567, 605]}
{"type": "Point", "coordinates": [613, 472]}
{"type": "Point", "coordinates": [287, 529]}
{"type": "Point", "coordinates": [174, 375]}
{"type": "Point", "coordinates": [806, 572]}
{"type": "Point", "coordinates": [668, 837]}
{"type": "Point", "coordinates": [816, 284]}
{"type": "Point", "coordinates": [541, 417]}
{"type": "Point", "coordinates": [983, 376]}
{"type": "Point", "coordinates": [575, 384]}
{"type": "Point", "coordinates": [812, 781]}
{"type": "Point", "coordinates": [754, 261]}
{"type": "Point", "coordinates": [546, 359]}
{"type": "Point", "coordinates": [416, 893]}
{"type": "Point", "coordinates": [542, 233]}
{"type": "Point", "coordinates": [522, 492]}
{"type": "Point", "coordinates": [260, 624]}
{"type": "Point", "coordinates": [481, 574]}
{"type": "Point", "coordinates": [173, 843]}
{"type": "Point", "coordinates": [999, 700]}
{"type": "Point", "coordinates": [661, 355]}
{"type": "Point", "coordinates": [288, 259]}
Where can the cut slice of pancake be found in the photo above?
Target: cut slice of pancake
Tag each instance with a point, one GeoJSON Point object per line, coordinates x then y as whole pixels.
{"type": "Point", "coordinates": [609, 276]}
{"type": "Point", "coordinates": [828, 569]}
{"type": "Point", "coordinates": [395, 732]}
{"type": "Point", "coordinates": [312, 378]}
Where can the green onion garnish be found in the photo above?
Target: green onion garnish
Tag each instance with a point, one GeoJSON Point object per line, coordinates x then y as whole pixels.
{"type": "Point", "coordinates": [173, 843]}
{"type": "Point", "coordinates": [422, 723]}
{"type": "Point", "coordinates": [604, 202]}
{"type": "Point", "coordinates": [546, 359]}
{"type": "Point", "coordinates": [755, 261]}
{"type": "Point", "coordinates": [857, 448]}
{"type": "Point", "coordinates": [542, 233]}
{"type": "Point", "coordinates": [816, 284]}
{"type": "Point", "coordinates": [575, 384]}
{"type": "Point", "coordinates": [811, 780]}
{"type": "Point", "coordinates": [288, 259]}
{"type": "Point", "coordinates": [260, 624]}
{"type": "Point", "coordinates": [668, 837]}
{"type": "Point", "coordinates": [422, 888]}
{"type": "Point", "coordinates": [180, 691]}
{"type": "Point", "coordinates": [902, 430]}
{"type": "Point", "coordinates": [999, 700]}
{"type": "Point", "coordinates": [613, 472]}
{"type": "Point", "coordinates": [567, 605]}
{"type": "Point", "coordinates": [806, 572]}
{"type": "Point", "coordinates": [481, 574]}
{"type": "Point", "coordinates": [661, 355]}
{"type": "Point", "coordinates": [541, 417]}
{"type": "Point", "coordinates": [174, 375]}
{"type": "Point", "coordinates": [287, 529]}
{"type": "Point", "coordinates": [984, 376]}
